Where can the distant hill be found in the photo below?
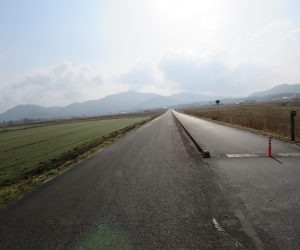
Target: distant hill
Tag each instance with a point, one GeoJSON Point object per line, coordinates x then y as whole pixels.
{"type": "Point", "coordinates": [117, 103]}
{"type": "Point", "coordinates": [279, 90]}
{"type": "Point", "coordinates": [29, 111]}
{"type": "Point", "coordinates": [131, 101]}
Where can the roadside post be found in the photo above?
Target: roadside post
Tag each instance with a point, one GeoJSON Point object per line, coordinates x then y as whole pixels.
{"type": "Point", "coordinates": [293, 114]}
{"type": "Point", "coordinates": [270, 147]}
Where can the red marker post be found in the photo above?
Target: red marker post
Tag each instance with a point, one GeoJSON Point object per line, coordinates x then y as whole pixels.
{"type": "Point", "coordinates": [270, 147]}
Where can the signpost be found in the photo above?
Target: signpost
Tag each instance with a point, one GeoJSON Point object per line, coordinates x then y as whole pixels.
{"type": "Point", "coordinates": [218, 103]}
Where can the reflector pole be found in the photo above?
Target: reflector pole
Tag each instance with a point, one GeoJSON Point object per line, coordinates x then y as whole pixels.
{"type": "Point", "coordinates": [270, 147]}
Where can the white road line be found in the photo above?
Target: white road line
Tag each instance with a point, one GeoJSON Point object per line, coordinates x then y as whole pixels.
{"type": "Point", "coordinates": [288, 154]}
{"type": "Point", "coordinates": [49, 179]}
{"type": "Point", "coordinates": [241, 155]}
{"type": "Point", "coordinates": [260, 155]}
{"type": "Point", "coordinates": [217, 225]}
{"type": "Point", "coordinates": [100, 150]}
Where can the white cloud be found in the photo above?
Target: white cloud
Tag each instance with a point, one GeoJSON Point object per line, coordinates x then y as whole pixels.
{"type": "Point", "coordinates": [56, 86]}
{"type": "Point", "coordinates": [199, 74]}
{"type": "Point", "coordinates": [139, 76]}
{"type": "Point", "coordinates": [251, 34]}
{"type": "Point", "coordinates": [277, 46]}
{"type": "Point", "coordinates": [228, 47]}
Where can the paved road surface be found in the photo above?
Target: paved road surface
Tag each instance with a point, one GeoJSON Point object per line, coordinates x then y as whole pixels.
{"type": "Point", "coordinates": [267, 190]}
{"type": "Point", "coordinates": [150, 190]}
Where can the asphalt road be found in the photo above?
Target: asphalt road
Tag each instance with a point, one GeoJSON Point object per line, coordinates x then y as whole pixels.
{"type": "Point", "coordinates": [150, 190]}
{"type": "Point", "coordinates": [265, 191]}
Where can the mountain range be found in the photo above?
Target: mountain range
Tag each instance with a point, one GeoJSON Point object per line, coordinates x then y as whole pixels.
{"type": "Point", "coordinates": [131, 101]}
{"type": "Point", "coordinates": [279, 90]}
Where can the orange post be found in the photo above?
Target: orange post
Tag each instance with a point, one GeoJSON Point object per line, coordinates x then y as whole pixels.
{"type": "Point", "coordinates": [270, 147]}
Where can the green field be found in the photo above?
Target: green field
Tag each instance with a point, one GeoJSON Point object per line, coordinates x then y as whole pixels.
{"type": "Point", "coordinates": [273, 118]}
{"type": "Point", "coordinates": [24, 149]}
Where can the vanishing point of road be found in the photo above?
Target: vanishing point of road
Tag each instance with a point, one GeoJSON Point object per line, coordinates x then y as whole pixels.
{"type": "Point", "coordinates": [152, 190]}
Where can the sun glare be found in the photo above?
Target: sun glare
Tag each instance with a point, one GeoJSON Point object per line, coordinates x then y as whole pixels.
{"type": "Point", "coordinates": [187, 10]}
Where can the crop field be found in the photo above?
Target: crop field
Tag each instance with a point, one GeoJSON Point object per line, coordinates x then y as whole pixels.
{"type": "Point", "coordinates": [273, 118]}
{"type": "Point", "coordinates": [26, 150]}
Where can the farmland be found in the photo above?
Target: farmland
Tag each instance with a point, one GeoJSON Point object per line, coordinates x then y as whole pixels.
{"type": "Point", "coordinates": [272, 118]}
{"type": "Point", "coordinates": [29, 150]}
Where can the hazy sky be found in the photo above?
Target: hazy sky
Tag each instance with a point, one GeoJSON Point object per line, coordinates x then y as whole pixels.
{"type": "Point", "coordinates": [57, 52]}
